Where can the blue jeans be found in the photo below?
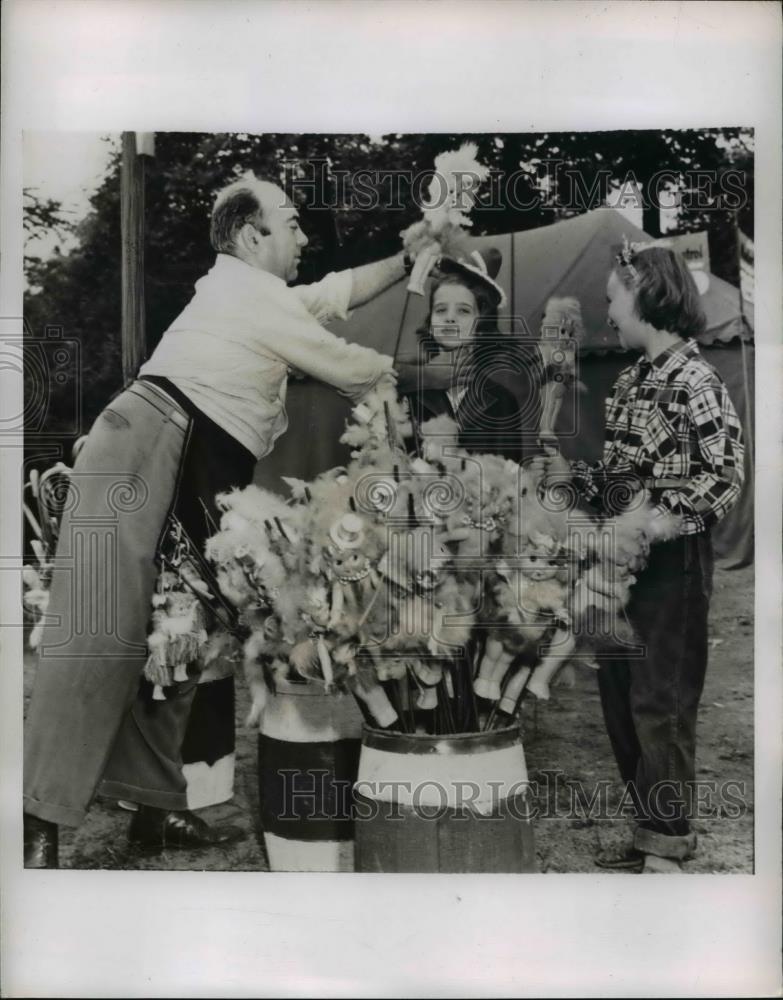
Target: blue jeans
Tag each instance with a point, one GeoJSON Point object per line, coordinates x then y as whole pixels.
{"type": "Point", "coordinates": [650, 702]}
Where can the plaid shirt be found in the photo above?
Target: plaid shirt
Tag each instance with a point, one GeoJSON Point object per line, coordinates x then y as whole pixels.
{"type": "Point", "coordinates": [672, 419]}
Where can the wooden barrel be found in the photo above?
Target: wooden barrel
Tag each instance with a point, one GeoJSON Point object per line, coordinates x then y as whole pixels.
{"type": "Point", "coordinates": [443, 803]}
{"type": "Point", "coordinates": [208, 750]}
{"type": "Point", "coordinates": [308, 756]}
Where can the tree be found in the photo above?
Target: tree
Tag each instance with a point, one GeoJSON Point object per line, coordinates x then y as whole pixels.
{"type": "Point", "coordinates": [41, 219]}
{"type": "Point", "coordinates": [355, 198]}
{"type": "Point", "coordinates": [690, 165]}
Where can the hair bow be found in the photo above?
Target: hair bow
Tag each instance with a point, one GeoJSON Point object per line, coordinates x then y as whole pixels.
{"type": "Point", "coordinates": [625, 257]}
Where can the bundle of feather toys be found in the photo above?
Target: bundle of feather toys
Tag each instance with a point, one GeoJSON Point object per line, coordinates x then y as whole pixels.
{"type": "Point", "coordinates": [437, 587]}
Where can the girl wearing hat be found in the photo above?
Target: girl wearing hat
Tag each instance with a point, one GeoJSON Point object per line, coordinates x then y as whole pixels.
{"type": "Point", "coordinates": [487, 381]}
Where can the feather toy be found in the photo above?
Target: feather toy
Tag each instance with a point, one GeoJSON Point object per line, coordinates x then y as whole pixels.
{"type": "Point", "coordinates": [451, 195]}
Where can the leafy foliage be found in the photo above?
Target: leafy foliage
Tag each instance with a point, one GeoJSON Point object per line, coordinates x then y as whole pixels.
{"type": "Point", "coordinates": [80, 290]}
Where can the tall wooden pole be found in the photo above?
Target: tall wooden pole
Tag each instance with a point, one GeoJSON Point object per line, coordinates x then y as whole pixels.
{"type": "Point", "coordinates": [132, 230]}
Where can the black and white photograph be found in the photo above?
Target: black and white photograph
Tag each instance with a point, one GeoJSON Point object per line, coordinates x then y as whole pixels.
{"type": "Point", "coordinates": [386, 507]}
{"type": "Point", "coordinates": [402, 497]}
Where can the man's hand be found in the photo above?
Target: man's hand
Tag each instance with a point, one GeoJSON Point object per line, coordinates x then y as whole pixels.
{"type": "Point", "coordinates": [418, 236]}
{"type": "Point", "coordinates": [424, 261]}
{"type": "Point", "coordinates": [370, 280]}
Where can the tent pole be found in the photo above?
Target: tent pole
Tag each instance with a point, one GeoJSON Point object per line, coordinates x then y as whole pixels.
{"type": "Point", "coordinates": [749, 407]}
{"type": "Point", "coordinates": [511, 287]}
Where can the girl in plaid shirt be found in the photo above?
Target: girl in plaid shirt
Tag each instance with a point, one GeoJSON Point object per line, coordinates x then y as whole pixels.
{"type": "Point", "coordinates": [669, 423]}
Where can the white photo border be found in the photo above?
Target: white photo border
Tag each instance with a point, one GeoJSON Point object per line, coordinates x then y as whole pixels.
{"type": "Point", "coordinates": [340, 65]}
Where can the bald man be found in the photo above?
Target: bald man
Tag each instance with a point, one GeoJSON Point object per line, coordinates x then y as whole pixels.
{"type": "Point", "coordinates": [208, 404]}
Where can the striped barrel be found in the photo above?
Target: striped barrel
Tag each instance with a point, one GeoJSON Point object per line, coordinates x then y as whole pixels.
{"type": "Point", "coordinates": [308, 755]}
{"type": "Point", "coordinates": [443, 803]}
{"type": "Point", "coordinates": [208, 755]}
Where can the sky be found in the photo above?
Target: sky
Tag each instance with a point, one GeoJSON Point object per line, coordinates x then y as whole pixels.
{"type": "Point", "coordinates": [68, 167]}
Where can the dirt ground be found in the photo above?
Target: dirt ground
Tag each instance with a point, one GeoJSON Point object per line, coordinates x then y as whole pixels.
{"type": "Point", "coordinates": [565, 743]}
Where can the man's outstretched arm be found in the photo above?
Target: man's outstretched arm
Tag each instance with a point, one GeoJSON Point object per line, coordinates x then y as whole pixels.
{"type": "Point", "coordinates": [370, 280]}
{"type": "Point", "coordinates": [340, 291]}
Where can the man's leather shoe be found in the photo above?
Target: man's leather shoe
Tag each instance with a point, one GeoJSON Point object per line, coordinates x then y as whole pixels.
{"type": "Point", "coordinates": [158, 829]}
{"type": "Point", "coordinates": [40, 843]}
{"type": "Point", "coordinates": [626, 859]}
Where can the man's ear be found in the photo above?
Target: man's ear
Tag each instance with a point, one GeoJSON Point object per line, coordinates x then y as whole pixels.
{"type": "Point", "coordinates": [250, 238]}
{"type": "Point", "coordinates": [247, 238]}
